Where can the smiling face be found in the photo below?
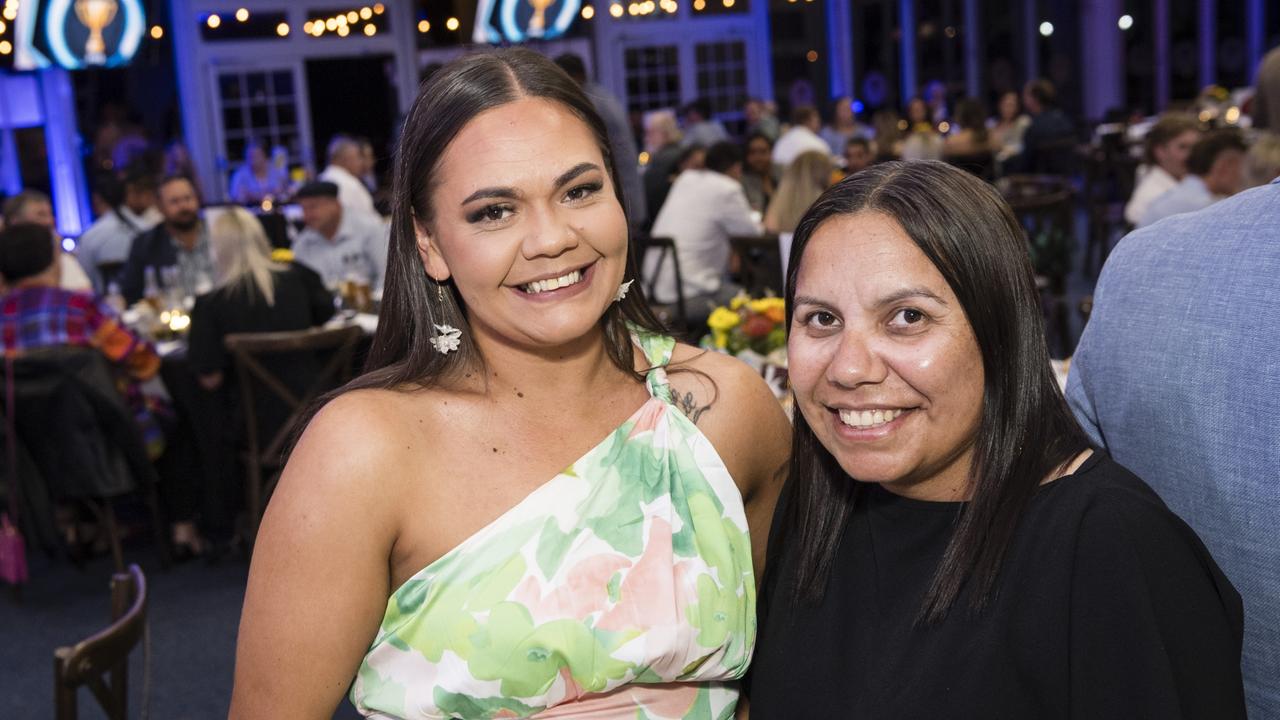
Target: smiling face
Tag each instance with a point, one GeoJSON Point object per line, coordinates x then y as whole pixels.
{"type": "Point", "coordinates": [884, 364]}
{"type": "Point", "coordinates": [526, 222]}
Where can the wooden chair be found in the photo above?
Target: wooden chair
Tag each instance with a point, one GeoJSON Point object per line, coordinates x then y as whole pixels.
{"type": "Point", "coordinates": [247, 351]}
{"type": "Point", "coordinates": [1044, 206]}
{"type": "Point", "coordinates": [981, 165]}
{"type": "Point", "coordinates": [101, 661]}
{"type": "Point", "coordinates": [663, 249]}
{"type": "Point", "coordinates": [759, 264]}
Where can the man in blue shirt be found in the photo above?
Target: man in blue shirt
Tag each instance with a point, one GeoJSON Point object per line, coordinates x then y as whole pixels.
{"type": "Point", "coordinates": [1177, 375]}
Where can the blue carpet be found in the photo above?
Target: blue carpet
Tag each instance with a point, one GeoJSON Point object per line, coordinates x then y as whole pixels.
{"type": "Point", "coordinates": [194, 614]}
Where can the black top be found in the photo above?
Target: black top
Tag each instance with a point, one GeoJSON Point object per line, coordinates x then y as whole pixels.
{"type": "Point", "coordinates": [301, 302]}
{"type": "Point", "coordinates": [1108, 606]}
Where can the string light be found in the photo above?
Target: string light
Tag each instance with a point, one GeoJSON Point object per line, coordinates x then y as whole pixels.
{"type": "Point", "coordinates": [944, 127]}
{"type": "Point", "coordinates": [451, 23]}
{"type": "Point", "coordinates": [353, 17]}
{"type": "Point", "coordinates": [1046, 28]}
{"type": "Point", "coordinates": [644, 157]}
{"type": "Point", "coordinates": [331, 24]}
{"type": "Point", "coordinates": [424, 26]}
{"type": "Point", "coordinates": [615, 10]}
{"type": "Point", "coordinates": [365, 13]}
{"type": "Point", "coordinates": [213, 22]}
{"type": "Point", "coordinates": [157, 32]}
{"type": "Point", "coordinates": [242, 15]}
{"type": "Point", "coordinates": [699, 5]}
{"type": "Point", "coordinates": [1232, 115]}
{"type": "Point", "coordinates": [344, 30]}
{"type": "Point", "coordinates": [370, 30]}
{"type": "Point", "coordinates": [728, 3]}
{"type": "Point", "coordinates": [282, 29]}
{"type": "Point", "coordinates": [317, 28]}
{"type": "Point", "coordinates": [1125, 22]}
{"type": "Point", "coordinates": [811, 56]}
{"type": "Point", "coordinates": [10, 12]}
{"type": "Point", "coordinates": [6, 47]}
{"type": "Point", "coordinates": [3, 27]}
{"type": "Point", "coordinates": [588, 12]}
{"type": "Point", "coordinates": [378, 9]}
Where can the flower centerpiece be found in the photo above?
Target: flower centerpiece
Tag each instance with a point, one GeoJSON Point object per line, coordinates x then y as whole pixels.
{"type": "Point", "coordinates": [754, 331]}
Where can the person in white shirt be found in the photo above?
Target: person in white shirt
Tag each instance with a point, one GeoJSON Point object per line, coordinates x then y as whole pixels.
{"type": "Point", "coordinates": [339, 245]}
{"type": "Point", "coordinates": [346, 167]}
{"type": "Point", "coordinates": [1168, 144]}
{"type": "Point", "coordinates": [802, 137]}
{"type": "Point", "coordinates": [703, 210]}
{"type": "Point", "coordinates": [109, 238]}
{"type": "Point", "coordinates": [33, 206]}
{"type": "Point", "coordinates": [1215, 170]}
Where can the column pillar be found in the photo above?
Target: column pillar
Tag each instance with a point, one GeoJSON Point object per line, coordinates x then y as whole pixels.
{"type": "Point", "coordinates": [840, 48]}
{"type": "Point", "coordinates": [907, 49]}
{"type": "Point", "coordinates": [1163, 68]}
{"type": "Point", "coordinates": [972, 49]}
{"type": "Point", "coordinates": [62, 141]}
{"type": "Point", "coordinates": [1208, 42]}
{"type": "Point", "coordinates": [1102, 53]}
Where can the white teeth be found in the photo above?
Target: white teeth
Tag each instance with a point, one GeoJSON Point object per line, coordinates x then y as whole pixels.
{"type": "Point", "coordinates": [868, 418]}
{"type": "Point", "coordinates": [541, 286]}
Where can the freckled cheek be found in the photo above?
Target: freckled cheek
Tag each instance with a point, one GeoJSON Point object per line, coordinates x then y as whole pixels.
{"type": "Point", "coordinates": [807, 362]}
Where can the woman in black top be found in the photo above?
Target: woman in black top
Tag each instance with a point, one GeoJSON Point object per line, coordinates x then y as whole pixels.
{"type": "Point", "coordinates": [252, 294]}
{"type": "Point", "coordinates": [948, 546]}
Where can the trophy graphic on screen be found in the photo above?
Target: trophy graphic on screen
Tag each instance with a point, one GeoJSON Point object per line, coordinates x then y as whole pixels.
{"type": "Point", "coordinates": [538, 23]}
{"type": "Point", "coordinates": [96, 15]}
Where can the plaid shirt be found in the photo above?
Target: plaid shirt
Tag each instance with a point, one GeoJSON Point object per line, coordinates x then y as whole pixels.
{"type": "Point", "coordinates": [36, 317]}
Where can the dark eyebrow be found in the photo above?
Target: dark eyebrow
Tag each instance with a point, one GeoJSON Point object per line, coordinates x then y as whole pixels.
{"type": "Point", "coordinates": [889, 299]}
{"type": "Point", "coordinates": [510, 193]}
{"type": "Point", "coordinates": [567, 176]}
{"type": "Point", "coordinates": [905, 293]}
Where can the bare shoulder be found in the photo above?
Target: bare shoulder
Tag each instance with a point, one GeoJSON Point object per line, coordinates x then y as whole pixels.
{"type": "Point", "coordinates": [735, 409]}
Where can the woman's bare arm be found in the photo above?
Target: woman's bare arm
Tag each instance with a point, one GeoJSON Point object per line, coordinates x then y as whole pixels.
{"type": "Point", "coordinates": [319, 580]}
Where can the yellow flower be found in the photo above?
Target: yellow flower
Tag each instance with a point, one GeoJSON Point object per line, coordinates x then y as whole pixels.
{"type": "Point", "coordinates": [723, 319]}
{"type": "Point", "coordinates": [720, 338]}
{"type": "Point", "coordinates": [739, 300]}
{"type": "Point", "coordinates": [282, 255]}
{"type": "Point", "coordinates": [764, 305]}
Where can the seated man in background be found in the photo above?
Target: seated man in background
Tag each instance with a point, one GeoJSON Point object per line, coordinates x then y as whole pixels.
{"type": "Point", "coordinates": [1215, 170]}
{"type": "Point", "coordinates": [33, 206]}
{"type": "Point", "coordinates": [132, 212]}
{"type": "Point", "coordinates": [346, 167]}
{"type": "Point", "coordinates": [37, 313]}
{"type": "Point", "coordinates": [336, 243]}
{"type": "Point", "coordinates": [703, 210]}
{"type": "Point", "coordinates": [181, 241]}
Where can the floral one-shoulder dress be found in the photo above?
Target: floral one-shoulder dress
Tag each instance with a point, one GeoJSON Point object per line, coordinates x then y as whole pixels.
{"type": "Point", "coordinates": [622, 587]}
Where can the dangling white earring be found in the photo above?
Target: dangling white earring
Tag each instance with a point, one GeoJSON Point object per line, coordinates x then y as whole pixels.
{"type": "Point", "coordinates": [447, 338]}
{"type": "Point", "coordinates": [622, 291]}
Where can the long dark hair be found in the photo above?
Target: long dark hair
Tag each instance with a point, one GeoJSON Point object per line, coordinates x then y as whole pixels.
{"type": "Point", "coordinates": [402, 354]}
{"type": "Point", "coordinates": [1026, 430]}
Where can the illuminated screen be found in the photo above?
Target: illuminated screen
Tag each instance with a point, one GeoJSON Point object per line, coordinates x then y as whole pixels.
{"type": "Point", "coordinates": [519, 20]}
{"type": "Point", "coordinates": [76, 34]}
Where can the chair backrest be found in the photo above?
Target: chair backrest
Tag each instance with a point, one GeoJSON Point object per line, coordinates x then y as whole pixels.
{"type": "Point", "coordinates": [663, 250]}
{"type": "Point", "coordinates": [249, 349]}
{"type": "Point", "coordinates": [101, 661]}
{"type": "Point", "coordinates": [981, 165]}
{"type": "Point", "coordinates": [72, 419]}
{"type": "Point", "coordinates": [759, 263]}
{"type": "Point", "coordinates": [1044, 206]}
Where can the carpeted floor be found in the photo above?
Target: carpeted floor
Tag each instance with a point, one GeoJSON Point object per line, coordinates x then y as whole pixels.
{"type": "Point", "coordinates": [194, 613]}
